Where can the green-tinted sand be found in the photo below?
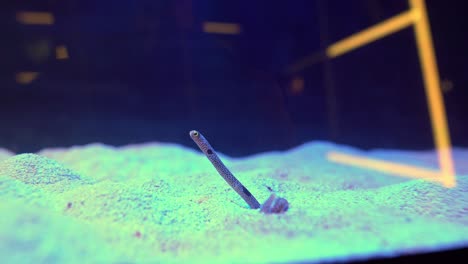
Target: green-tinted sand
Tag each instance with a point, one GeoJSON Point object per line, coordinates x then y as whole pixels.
{"type": "Point", "coordinates": [166, 203]}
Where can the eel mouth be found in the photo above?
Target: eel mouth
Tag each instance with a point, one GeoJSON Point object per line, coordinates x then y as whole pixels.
{"type": "Point", "coordinates": [194, 133]}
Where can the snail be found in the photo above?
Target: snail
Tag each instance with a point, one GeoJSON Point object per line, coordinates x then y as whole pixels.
{"type": "Point", "coordinates": [274, 205]}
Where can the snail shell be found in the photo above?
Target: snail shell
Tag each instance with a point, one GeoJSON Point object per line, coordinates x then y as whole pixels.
{"type": "Point", "coordinates": [274, 205]}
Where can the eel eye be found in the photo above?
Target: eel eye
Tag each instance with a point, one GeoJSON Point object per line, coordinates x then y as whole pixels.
{"type": "Point", "coordinates": [195, 133]}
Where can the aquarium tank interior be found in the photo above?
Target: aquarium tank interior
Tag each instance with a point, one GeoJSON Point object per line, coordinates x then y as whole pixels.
{"type": "Point", "coordinates": [304, 131]}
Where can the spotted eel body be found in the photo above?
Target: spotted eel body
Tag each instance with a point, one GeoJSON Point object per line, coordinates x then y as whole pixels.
{"type": "Point", "coordinates": [222, 170]}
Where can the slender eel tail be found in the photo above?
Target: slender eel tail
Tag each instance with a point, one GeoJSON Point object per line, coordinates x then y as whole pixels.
{"type": "Point", "coordinates": [206, 148]}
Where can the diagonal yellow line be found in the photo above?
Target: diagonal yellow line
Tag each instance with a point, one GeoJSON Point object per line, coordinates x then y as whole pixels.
{"type": "Point", "coordinates": [417, 16]}
{"type": "Point", "coordinates": [373, 33]}
{"type": "Point", "coordinates": [380, 30]}
{"type": "Point", "coordinates": [386, 166]}
{"type": "Point", "coordinates": [433, 92]}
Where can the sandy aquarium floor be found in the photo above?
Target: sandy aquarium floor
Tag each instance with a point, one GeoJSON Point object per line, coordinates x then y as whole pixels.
{"type": "Point", "coordinates": [165, 203]}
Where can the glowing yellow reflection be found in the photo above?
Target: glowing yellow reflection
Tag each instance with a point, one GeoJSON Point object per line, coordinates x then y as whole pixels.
{"type": "Point", "coordinates": [373, 33]}
{"type": "Point", "coordinates": [433, 91]}
{"type": "Point", "coordinates": [35, 18]}
{"type": "Point", "coordinates": [26, 77]}
{"type": "Point", "coordinates": [61, 52]}
{"type": "Point", "coordinates": [221, 28]}
{"type": "Point", "coordinates": [417, 16]}
{"type": "Point", "coordinates": [390, 167]}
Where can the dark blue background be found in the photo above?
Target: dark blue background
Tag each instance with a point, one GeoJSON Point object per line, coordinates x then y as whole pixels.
{"type": "Point", "coordinates": [145, 71]}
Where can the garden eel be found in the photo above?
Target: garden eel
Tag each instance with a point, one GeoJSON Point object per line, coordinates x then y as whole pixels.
{"type": "Point", "coordinates": [206, 148]}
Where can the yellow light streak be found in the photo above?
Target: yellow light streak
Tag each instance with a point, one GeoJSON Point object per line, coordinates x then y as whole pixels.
{"type": "Point", "coordinates": [35, 18]}
{"type": "Point", "coordinates": [26, 77]}
{"type": "Point", "coordinates": [433, 92]}
{"type": "Point", "coordinates": [387, 167]}
{"type": "Point", "coordinates": [373, 33]}
{"type": "Point", "coordinates": [61, 52]}
{"type": "Point", "coordinates": [221, 28]}
{"type": "Point", "coordinates": [417, 16]}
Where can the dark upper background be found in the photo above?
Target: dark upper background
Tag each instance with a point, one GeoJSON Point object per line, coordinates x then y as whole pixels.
{"type": "Point", "coordinates": [144, 70]}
